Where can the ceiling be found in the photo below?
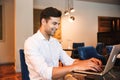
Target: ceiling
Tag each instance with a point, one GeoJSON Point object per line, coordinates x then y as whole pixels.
{"type": "Point", "coordinates": [117, 2]}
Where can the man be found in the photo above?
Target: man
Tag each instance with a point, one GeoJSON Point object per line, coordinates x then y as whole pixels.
{"type": "Point", "coordinates": [43, 52]}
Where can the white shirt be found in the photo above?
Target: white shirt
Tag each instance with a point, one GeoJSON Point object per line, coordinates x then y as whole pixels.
{"type": "Point", "coordinates": [42, 55]}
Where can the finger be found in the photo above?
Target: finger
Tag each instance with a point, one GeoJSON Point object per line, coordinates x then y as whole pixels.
{"type": "Point", "coordinates": [95, 67]}
{"type": "Point", "coordinates": [99, 69]}
{"type": "Point", "coordinates": [96, 61]}
{"type": "Point", "coordinates": [99, 62]}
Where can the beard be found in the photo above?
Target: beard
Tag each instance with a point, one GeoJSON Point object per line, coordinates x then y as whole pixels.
{"type": "Point", "coordinates": [53, 30]}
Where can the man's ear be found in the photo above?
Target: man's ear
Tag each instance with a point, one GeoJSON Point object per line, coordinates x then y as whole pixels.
{"type": "Point", "coordinates": [43, 21]}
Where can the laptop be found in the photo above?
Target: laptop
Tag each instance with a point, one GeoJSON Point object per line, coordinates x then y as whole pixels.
{"type": "Point", "coordinates": [110, 63]}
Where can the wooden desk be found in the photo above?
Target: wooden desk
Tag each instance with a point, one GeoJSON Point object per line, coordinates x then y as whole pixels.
{"type": "Point", "coordinates": [69, 49]}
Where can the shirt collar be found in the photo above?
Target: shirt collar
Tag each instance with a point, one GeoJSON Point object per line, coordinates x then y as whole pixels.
{"type": "Point", "coordinates": [42, 37]}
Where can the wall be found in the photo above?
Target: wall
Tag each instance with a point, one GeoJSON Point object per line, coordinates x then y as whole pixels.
{"type": "Point", "coordinates": [17, 26]}
{"type": "Point", "coordinates": [7, 44]}
{"type": "Point", "coordinates": [23, 26]}
{"type": "Point", "coordinates": [86, 23]}
{"type": "Point", "coordinates": [85, 27]}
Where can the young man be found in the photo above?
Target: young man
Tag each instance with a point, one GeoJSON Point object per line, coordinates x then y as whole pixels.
{"type": "Point", "coordinates": [43, 52]}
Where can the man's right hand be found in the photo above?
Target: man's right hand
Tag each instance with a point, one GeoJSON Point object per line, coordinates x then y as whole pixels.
{"type": "Point", "coordinates": [89, 64]}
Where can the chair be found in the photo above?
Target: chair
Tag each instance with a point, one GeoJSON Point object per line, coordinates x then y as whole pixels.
{"type": "Point", "coordinates": [24, 68]}
{"type": "Point", "coordinates": [88, 52]}
{"type": "Point", "coordinates": [109, 49]}
{"type": "Point", "coordinates": [100, 47]}
{"type": "Point", "coordinates": [75, 52]}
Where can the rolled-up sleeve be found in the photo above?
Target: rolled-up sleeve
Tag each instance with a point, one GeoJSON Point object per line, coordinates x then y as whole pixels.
{"type": "Point", "coordinates": [65, 58]}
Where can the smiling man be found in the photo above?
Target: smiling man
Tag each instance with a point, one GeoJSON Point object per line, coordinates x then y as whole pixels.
{"type": "Point", "coordinates": [43, 52]}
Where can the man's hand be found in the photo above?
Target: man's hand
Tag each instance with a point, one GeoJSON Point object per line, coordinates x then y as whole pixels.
{"type": "Point", "coordinates": [89, 64]}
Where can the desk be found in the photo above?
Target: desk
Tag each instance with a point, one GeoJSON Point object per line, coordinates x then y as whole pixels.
{"type": "Point", "coordinates": [115, 71]}
{"type": "Point", "coordinates": [69, 49]}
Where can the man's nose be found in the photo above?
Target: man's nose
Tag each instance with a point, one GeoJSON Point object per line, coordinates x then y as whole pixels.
{"type": "Point", "coordinates": [57, 26]}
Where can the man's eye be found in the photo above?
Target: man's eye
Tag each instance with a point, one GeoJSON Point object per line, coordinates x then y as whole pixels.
{"type": "Point", "coordinates": [54, 23]}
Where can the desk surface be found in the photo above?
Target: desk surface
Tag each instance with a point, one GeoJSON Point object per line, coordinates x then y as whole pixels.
{"type": "Point", "coordinates": [115, 72]}
{"type": "Point", "coordinates": [69, 49]}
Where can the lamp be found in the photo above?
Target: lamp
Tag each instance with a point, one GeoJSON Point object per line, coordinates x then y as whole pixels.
{"type": "Point", "coordinates": [69, 10]}
{"type": "Point", "coordinates": [71, 6]}
{"type": "Point", "coordinates": [66, 12]}
{"type": "Point", "coordinates": [72, 10]}
{"type": "Point", "coordinates": [72, 18]}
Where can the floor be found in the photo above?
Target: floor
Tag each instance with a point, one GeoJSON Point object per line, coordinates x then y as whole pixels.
{"type": "Point", "coordinates": [15, 76]}
{"type": "Point", "coordinates": [7, 72]}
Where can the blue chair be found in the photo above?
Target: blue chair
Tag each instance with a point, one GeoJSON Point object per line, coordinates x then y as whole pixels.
{"type": "Point", "coordinates": [75, 52]}
{"type": "Point", "coordinates": [99, 47]}
{"type": "Point", "coordinates": [88, 52]}
{"type": "Point", "coordinates": [24, 68]}
{"type": "Point", "coordinates": [109, 49]}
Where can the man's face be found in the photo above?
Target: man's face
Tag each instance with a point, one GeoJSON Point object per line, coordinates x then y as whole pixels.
{"type": "Point", "coordinates": [51, 25]}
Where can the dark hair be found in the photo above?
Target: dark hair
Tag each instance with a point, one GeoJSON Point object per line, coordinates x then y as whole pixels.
{"type": "Point", "coordinates": [50, 12]}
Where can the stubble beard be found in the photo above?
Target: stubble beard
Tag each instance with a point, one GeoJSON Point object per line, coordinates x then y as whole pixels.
{"type": "Point", "coordinates": [53, 30]}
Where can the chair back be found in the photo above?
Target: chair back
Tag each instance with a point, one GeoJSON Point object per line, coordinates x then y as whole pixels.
{"type": "Point", "coordinates": [75, 52]}
{"type": "Point", "coordinates": [109, 49]}
{"type": "Point", "coordinates": [88, 52]}
{"type": "Point", "coordinates": [76, 45]}
{"type": "Point", "coordinates": [100, 47]}
{"type": "Point", "coordinates": [24, 68]}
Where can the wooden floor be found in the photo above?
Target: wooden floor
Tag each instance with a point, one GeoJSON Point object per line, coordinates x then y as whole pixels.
{"type": "Point", "coordinates": [15, 76]}
{"type": "Point", "coordinates": [7, 72]}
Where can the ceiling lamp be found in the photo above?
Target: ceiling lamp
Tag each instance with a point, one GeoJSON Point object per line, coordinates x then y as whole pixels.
{"type": "Point", "coordinates": [69, 9]}
{"type": "Point", "coordinates": [66, 12]}
{"type": "Point", "coordinates": [71, 6]}
{"type": "Point", "coordinates": [72, 10]}
{"type": "Point", "coordinates": [72, 18]}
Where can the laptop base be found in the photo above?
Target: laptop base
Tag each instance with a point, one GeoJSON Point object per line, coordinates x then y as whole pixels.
{"type": "Point", "coordinates": [100, 77]}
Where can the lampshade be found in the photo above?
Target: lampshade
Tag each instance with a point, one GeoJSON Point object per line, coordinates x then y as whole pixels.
{"type": "Point", "coordinates": [66, 12]}
{"type": "Point", "coordinates": [72, 18]}
{"type": "Point", "coordinates": [69, 9]}
{"type": "Point", "coordinates": [72, 10]}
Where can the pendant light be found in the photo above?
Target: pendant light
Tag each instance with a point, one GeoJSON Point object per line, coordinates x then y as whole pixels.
{"type": "Point", "coordinates": [69, 10]}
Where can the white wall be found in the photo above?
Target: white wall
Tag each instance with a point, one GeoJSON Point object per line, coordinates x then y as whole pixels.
{"type": "Point", "coordinates": [85, 27]}
{"type": "Point", "coordinates": [87, 20]}
{"type": "Point", "coordinates": [7, 44]}
{"type": "Point", "coordinates": [23, 26]}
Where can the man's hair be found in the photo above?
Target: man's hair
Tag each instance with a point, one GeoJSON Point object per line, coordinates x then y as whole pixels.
{"type": "Point", "coordinates": [50, 12]}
